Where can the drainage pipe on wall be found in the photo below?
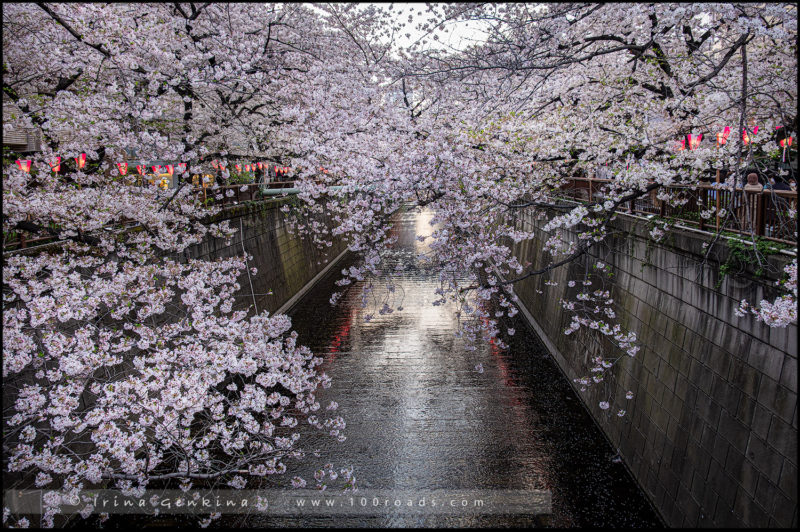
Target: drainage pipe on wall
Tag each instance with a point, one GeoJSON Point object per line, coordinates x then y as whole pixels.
{"type": "Point", "coordinates": [279, 191]}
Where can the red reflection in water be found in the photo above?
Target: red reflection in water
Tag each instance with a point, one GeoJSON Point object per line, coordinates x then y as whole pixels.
{"type": "Point", "coordinates": [505, 374]}
{"type": "Point", "coordinates": [339, 338]}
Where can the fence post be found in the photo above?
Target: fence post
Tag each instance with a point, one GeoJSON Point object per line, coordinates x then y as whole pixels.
{"type": "Point", "coordinates": [760, 214]}
{"type": "Point", "coordinates": [590, 190]}
{"type": "Point", "coordinates": [704, 203]}
{"type": "Point", "coordinates": [716, 195]}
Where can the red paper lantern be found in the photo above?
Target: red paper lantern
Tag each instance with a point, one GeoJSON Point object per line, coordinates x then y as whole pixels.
{"type": "Point", "coordinates": [746, 137]}
{"type": "Point", "coordinates": [260, 166]}
{"type": "Point", "coordinates": [81, 161]}
{"type": "Point", "coordinates": [722, 138]}
{"type": "Point", "coordinates": [24, 165]}
{"type": "Point", "coordinates": [182, 167]}
{"type": "Point", "coordinates": [170, 169]}
{"type": "Point", "coordinates": [56, 166]}
{"type": "Point", "coordinates": [786, 142]}
{"type": "Point", "coordinates": [123, 168]}
{"type": "Point", "coordinates": [156, 169]}
{"type": "Point", "coordinates": [238, 167]}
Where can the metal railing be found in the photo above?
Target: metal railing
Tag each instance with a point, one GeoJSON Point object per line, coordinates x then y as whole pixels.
{"type": "Point", "coordinates": [235, 194]}
{"type": "Point", "coordinates": [224, 195]}
{"type": "Point", "coordinates": [764, 213]}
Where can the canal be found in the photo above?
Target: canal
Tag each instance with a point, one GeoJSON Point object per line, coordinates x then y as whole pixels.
{"type": "Point", "coordinates": [421, 417]}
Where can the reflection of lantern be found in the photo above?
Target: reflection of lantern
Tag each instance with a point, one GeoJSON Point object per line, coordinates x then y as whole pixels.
{"type": "Point", "coordinates": [123, 168]}
{"type": "Point", "coordinates": [81, 161]}
{"type": "Point", "coordinates": [56, 166]}
{"type": "Point", "coordinates": [260, 166]}
{"type": "Point", "coordinates": [24, 165]}
{"type": "Point", "coordinates": [247, 168]}
{"type": "Point", "coordinates": [238, 167]}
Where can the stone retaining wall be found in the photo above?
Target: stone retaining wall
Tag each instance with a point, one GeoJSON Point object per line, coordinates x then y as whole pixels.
{"type": "Point", "coordinates": [286, 262]}
{"type": "Point", "coordinates": [711, 435]}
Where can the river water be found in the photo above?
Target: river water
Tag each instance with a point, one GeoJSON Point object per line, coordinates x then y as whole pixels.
{"type": "Point", "coordinates": [420, 417]}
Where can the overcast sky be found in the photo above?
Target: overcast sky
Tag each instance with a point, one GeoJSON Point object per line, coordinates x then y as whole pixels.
{"type": "Point", "coordinates": [456, 35]}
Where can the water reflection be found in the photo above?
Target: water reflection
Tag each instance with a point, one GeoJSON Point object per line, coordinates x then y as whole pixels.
{"type": "Point", "coordinates": [420, 417]}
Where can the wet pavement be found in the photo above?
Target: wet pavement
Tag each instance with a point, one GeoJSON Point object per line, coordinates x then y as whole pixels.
{"type": "Point", "coordinates": [420, 417]}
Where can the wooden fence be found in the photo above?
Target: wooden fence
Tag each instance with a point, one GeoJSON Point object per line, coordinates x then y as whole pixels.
{"type": "Point", "coordinates": [765, 213]}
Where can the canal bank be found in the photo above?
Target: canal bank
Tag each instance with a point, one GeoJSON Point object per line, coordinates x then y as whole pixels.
{"type": "Point", "coordinates": [420, 417]}
{"type": "Point", "coordinates": [711, 435]}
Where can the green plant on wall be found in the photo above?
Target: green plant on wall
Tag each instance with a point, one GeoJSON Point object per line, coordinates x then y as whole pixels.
{"type": "Point", "coordinates": [241, 178]}
{"type": "Point", "coordinates": [744, 255]}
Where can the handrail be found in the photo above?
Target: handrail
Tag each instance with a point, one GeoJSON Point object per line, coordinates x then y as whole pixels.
{"type": "Point", "coordinates": [763, 213]}
{"type": "Point", "coordinates": [208, 195]}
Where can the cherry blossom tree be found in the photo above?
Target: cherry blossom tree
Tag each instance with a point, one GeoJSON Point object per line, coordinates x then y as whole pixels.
{"type": "Point", "coordinates": [122, 365]}
{"type": "Point", "coordinates": [126, 365]}
{"type": "Point", "coordinates": [477, 135]}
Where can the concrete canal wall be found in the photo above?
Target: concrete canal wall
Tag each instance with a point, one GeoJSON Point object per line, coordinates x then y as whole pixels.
{"type": "Point", "coordinates": [286, 262]}
{"type": "Point", "coordinates": [711, 435]}
{"type": "Point", "coordinates": [287, 265]}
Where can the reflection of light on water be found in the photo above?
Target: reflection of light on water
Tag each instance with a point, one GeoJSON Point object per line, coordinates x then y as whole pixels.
{"type": "Point", "coordinates": [423, 227]}
{"type": "Point", "coordinates": [419, 415]}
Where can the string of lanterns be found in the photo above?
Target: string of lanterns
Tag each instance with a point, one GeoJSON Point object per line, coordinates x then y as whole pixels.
{"type": "Point", "coordinates": [722, 139]}
{"type": "Point", "coordinates": [80, 162]}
